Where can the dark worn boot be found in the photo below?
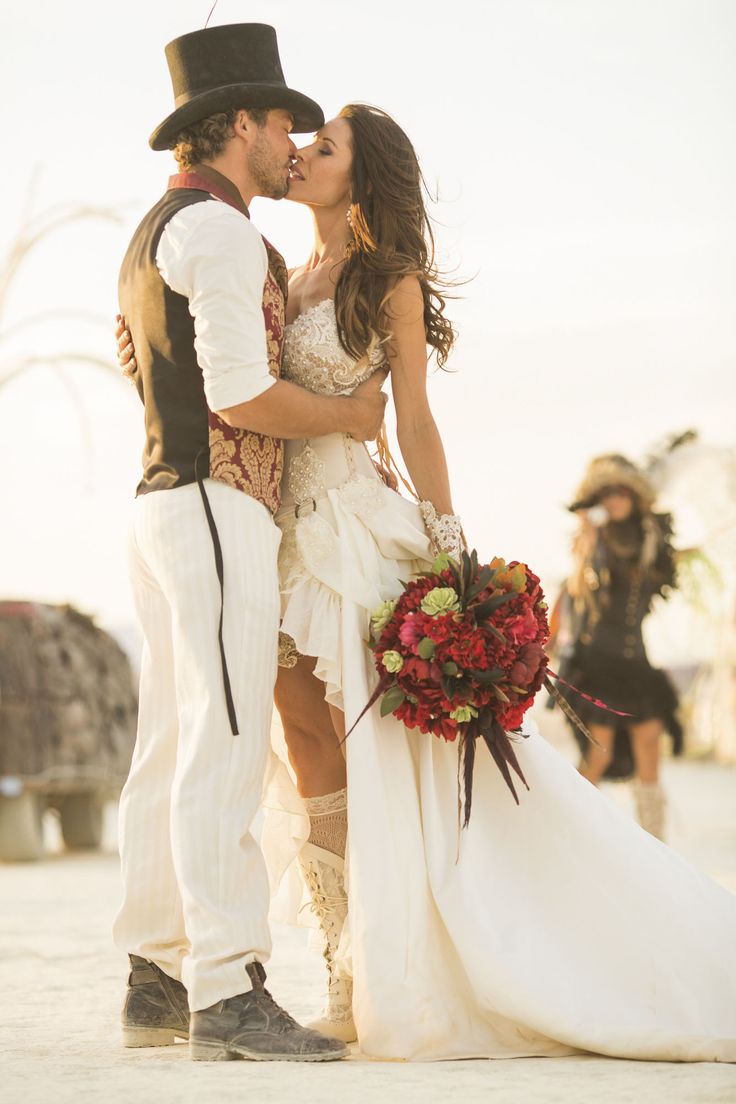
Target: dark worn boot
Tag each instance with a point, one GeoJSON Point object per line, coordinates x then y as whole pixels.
{"type": "Point", "coordinates": [155, 1011]}
{"type": "Point", "coordinates": [251, 1025]}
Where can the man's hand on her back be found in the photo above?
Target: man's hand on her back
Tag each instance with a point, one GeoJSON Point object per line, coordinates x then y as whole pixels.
{"type": "Point", "coordinates": [369, 404]}
{"type": "Point", "coordinates": [126, 351]}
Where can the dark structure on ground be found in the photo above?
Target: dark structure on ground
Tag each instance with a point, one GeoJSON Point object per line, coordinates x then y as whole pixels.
{"type": "Point", "coordinates": [67, 725]}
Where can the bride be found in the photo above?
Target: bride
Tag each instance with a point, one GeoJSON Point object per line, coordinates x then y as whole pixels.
{"type": "Point", "coordinates": [509, 945]}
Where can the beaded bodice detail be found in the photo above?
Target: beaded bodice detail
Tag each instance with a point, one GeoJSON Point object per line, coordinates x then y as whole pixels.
{"type": "Point", "coordinates": [315, 359]}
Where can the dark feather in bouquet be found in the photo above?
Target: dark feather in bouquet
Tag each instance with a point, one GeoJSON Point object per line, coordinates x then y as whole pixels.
{"type": "Point", "coordinates": [460, 654]}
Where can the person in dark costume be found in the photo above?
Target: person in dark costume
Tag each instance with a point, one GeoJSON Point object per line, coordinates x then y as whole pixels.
{"type": "Point", "coordinates": [623, 559]}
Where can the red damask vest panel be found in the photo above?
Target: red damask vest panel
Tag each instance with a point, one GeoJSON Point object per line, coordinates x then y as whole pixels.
{"type": "Point", "coordinates": [253, 462]}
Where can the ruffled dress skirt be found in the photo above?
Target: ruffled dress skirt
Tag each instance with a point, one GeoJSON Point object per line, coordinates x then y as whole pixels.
{"type": "Point", "coordinates": [631, 685]}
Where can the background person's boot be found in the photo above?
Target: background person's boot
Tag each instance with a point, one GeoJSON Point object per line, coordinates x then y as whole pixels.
{"type": "Point", "coordinates": [252, 1025]}
{"type": "Point", "coordinates": [155, 1011]}
{"type": "Point", "coordinates": [651, 805]}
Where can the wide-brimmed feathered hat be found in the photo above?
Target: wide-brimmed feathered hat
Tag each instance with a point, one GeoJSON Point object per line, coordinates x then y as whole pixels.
{"type": "Point", "coordinates": [612, 470]}
{"type": "Point", "coordinates": [236, 65]}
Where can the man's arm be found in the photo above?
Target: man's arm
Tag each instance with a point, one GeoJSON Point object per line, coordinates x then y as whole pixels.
{"type": "Point", "coordinates": [286, 410]}
{"type": "Point", "coordinates": [216, 258]}
{"type": "Point", "coordinates": [212, 255]}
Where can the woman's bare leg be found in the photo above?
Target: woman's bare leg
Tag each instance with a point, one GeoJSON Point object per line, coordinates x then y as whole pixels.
{"type": "Point", "coordinates": [598, 758]}
{"type": "Point", "coordinates": [338, 723]}
{"type": "Point", "coordinates": [645, 738]}
{"type": "Point", "coordinates": [311, 740]}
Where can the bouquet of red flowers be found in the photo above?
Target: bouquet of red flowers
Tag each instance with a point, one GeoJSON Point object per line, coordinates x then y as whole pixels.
{"type": "Point", "coordinates": [460, 654]}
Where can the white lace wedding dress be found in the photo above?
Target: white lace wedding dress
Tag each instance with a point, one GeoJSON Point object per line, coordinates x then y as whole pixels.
{"type": "Point", "coordinates": [561, 926]}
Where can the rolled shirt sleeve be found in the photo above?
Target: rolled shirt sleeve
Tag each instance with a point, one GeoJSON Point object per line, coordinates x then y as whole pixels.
{"type": "Point", "coordinates": [213, 255]}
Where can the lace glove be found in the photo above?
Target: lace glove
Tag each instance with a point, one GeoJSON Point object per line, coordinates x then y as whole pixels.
{"type": "Point", "coordinates": [445, 530]}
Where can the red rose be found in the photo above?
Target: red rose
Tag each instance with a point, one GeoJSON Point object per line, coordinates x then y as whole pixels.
{"type": "Point", "coordinates": [410, 631]}
{"type": "Point", "coordinates": [523, 627]}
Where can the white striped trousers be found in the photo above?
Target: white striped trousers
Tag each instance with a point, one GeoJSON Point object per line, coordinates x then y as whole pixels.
{"type": "Point", "coordinates": [196, 893]}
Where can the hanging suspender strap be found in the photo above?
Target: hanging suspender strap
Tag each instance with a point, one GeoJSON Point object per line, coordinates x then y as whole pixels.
{"type": "Point", "coordinates": [219, 567]}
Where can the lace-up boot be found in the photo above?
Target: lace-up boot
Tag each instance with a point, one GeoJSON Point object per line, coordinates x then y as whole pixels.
{"type": "Point", "coordinates": [651, 805]}
{"type": "Point", "coordinates": [324, 874]}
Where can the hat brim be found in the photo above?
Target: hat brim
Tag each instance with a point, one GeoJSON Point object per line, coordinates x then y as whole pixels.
{"type": "Point", "coordinates": [308, 115]}
{"type": "Point", "coordinates": [609, 473]}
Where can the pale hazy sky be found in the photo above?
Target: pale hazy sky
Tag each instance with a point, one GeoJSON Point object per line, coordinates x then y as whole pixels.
{"type": "Point", "coordinates": [585, 156]}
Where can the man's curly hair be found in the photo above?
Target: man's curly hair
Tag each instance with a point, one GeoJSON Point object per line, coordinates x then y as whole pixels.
{"type": "Point", "coordinates": [205, 140]}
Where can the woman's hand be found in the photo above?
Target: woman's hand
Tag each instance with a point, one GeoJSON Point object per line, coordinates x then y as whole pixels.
{"type": "Point", "coordinates": [126, 351]}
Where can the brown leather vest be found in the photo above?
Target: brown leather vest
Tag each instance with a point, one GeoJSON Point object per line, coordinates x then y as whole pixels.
{"type": "Point", "coordinates": [182, 433]}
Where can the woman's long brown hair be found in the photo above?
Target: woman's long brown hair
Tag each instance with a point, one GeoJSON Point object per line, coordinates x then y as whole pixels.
{"type": "Point", "coordinates": [392, 237]}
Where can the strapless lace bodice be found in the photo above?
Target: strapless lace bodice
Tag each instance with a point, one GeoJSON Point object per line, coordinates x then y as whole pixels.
{"type": "Point", "coordinates": [315, 359]}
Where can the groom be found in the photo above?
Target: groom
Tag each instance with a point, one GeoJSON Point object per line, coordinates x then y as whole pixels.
{"type": "Point", "coordinates": [204, 297]}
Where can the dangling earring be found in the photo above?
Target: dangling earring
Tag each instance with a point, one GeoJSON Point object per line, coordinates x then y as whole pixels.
{"type": "Point", "coordinates": [349, 216]}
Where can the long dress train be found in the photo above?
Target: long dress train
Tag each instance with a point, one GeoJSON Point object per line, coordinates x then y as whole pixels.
{"type": "Point", "coordinates": [555, 926]}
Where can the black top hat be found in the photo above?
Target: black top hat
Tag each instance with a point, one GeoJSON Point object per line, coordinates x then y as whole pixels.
{"type": "Point", "coordinates": [232, 66]}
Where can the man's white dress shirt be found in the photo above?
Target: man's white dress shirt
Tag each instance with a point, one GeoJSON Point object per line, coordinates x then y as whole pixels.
{"type": "Point", "coordinates": [213, 255]}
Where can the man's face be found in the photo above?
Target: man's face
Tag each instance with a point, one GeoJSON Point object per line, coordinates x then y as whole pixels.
{"type": "Point", "coordinates": [270, 154]}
